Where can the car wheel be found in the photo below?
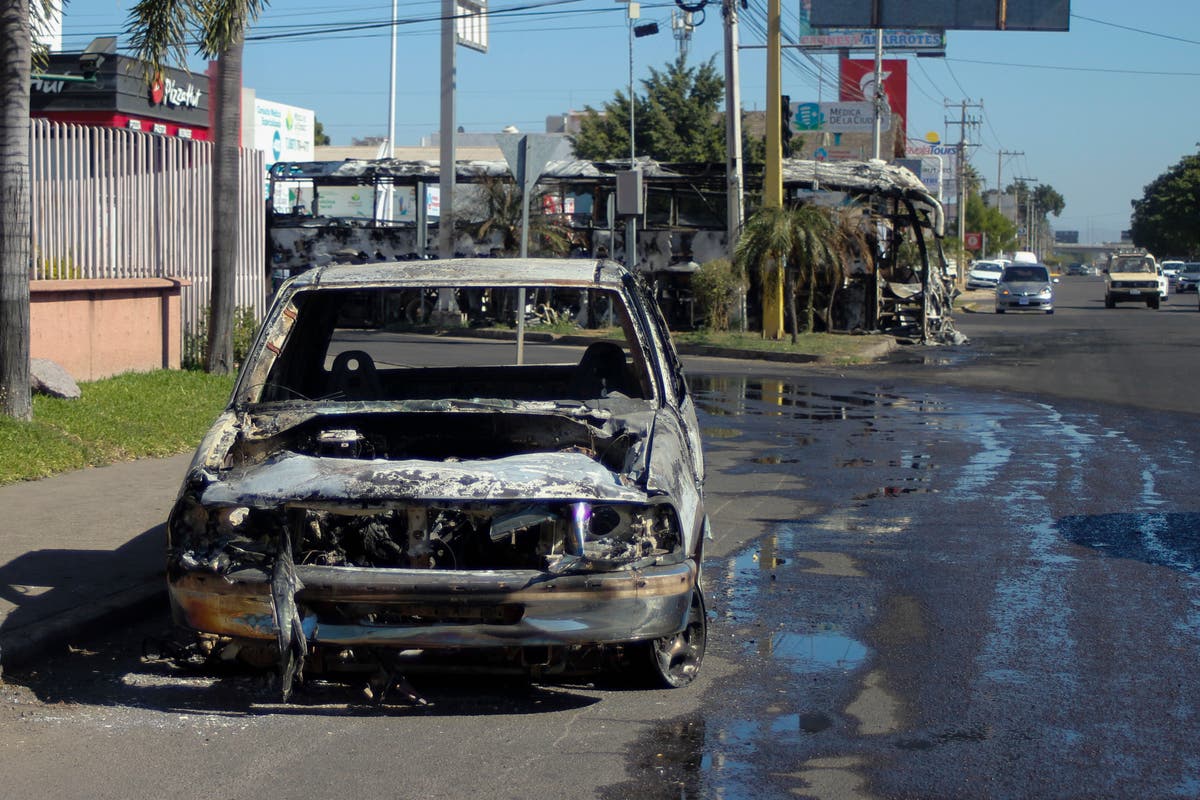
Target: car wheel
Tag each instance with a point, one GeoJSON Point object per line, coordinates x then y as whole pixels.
{"type": "Point", "coordinates": [1050, 311]}
{"type": "Point", "coordinates": [1108, 302]}
{"type": "Point", "coordinates": [1152, 303]}
{"type": "Point", "coordinates": [674, 661]}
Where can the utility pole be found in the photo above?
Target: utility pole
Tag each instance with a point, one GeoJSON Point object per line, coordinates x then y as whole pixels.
{"type": "Point", "coordinates": [733, 126]}
{"type": "Point", "coordinates": [682, 27]}
{"type": "Point", "coordinates": [448, 124]}
{"type": "Point", "coordinates": [772, 311]}
{"type": "Point", "coordinates": [999, 184]}
{"type": "Point", "coordinates": [1028, 210]}
{"type": "Point", "coordinates": [963, 121]}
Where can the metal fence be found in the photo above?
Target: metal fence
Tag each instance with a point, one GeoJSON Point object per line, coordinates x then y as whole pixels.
{"type": "Point", "coordinates": [113, 203]}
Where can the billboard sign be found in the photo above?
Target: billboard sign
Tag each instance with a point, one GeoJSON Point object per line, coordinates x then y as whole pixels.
{"type": "Point", "coordinates": [858, 83]}
{"type": "Point", "coordinates": [961, 15]}
{"type": "Point", "coordinates": [284, 133]}
{"type": "Point", "coordinates": [863, 39]}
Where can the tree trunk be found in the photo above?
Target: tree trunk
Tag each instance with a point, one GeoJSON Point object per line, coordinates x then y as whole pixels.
{"type": "Point", "coordinates": [15, 209]}
{"type": "Point", "coordinates": [226, 228]}
{"type": "Point", "coordinates": [810, 301]}
{"type": "Point", "coordinates": [790, 288]}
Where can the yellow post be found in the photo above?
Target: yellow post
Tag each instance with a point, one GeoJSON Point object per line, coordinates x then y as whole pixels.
{"type": "Point", "coordinates": [773, 172]}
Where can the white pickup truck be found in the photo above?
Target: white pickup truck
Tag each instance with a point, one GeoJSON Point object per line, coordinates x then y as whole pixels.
{"type": "Point", "coordinates": [1134, 277]}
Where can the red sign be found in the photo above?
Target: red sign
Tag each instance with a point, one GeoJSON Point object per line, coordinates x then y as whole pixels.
{"type": "Point", "coordinates": [973, 241]}
{"type": "Point", "coordinates": [858, 83]}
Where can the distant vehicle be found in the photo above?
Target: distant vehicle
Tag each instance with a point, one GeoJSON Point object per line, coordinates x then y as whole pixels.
{"type": "Point", "coordinates": [1188, 277]}
{"type": "Point", "coordinates": [984, 274]}
{"type": "Point", "coordinates": [1025, 287]}
{"type": "Point", "coordinates": [1077, 269]}
{"type": "Point", "coordinates": [1133, 277]}
{"type": "Point", "coordinates": [1171, 269]}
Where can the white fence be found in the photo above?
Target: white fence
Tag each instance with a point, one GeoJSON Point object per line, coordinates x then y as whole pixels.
{"type": "Point", "coordinates": [112, 203]}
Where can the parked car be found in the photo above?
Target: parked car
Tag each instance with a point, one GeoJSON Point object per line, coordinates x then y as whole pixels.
{"type": "Point", "coordinates": [1025, 287]}
{"type": "Point", "coordinates": [985, 274]}
{"type": "Point", "coordinates": [1188, 278]}
{"type": "Point", "coordinates": [383, 491]}
{"type": "Point", "coordinates": [1133, 277]}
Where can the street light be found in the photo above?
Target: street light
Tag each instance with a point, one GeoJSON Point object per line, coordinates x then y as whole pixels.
{"type": "Point", "coordinates": [638, 31]}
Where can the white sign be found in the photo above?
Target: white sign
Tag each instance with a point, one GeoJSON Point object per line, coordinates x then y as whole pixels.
{"type": "Point", "coordinates": [346, 201]}
{"type": "Point", "coordinates": [284, 133]}
{"type": "Point", "coordinates": [854, 116]}
{"type": "Point", "coordinates": [851, 116]}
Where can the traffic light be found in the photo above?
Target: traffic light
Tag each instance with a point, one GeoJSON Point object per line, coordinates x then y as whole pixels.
{"type": "Point", "coordinates": [786, 131]}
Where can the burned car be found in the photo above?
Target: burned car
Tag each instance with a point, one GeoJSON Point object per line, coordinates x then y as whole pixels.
{"type": "Point", "coordinates": [402, 476]}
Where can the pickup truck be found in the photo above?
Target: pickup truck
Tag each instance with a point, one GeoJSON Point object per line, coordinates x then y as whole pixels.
{"type": "Point", "coordinates": [1133, 277]}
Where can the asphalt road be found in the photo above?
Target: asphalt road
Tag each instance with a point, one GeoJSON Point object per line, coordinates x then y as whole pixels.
{"type": "Point", "coordinates": [969, 572]}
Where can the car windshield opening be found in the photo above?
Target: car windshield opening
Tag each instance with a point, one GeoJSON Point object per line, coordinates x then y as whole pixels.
{"type": "Point", "coordinates": [434, 343]}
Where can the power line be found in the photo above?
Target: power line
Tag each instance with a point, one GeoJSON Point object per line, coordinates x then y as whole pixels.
{"type": "Point", "coordinates": [1062, 68]}
{"type": "Point", "coordinates": [1136, 30]}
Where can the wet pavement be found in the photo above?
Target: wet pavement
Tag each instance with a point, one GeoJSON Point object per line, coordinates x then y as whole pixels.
{"type": "Point", "coordinates": [990, 597]}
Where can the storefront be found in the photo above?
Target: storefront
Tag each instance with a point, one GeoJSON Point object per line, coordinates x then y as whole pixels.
{"type": "Point", "coordinates": [175, 104]}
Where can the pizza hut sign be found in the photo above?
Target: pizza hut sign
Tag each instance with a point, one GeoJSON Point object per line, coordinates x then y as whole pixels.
{"type": "Point", "coordinates": [167, 91]}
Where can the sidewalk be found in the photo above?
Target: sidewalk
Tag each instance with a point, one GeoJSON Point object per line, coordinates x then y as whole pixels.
{"type": "Point", "coordinates": [80, 547]}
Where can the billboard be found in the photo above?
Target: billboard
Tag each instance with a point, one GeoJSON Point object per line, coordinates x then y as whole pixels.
{"type": "Point", "coordinates": [962, 15]}
{"type": "Point", "coordinates": [857, 82]}
{"type": "Point", "coordinates": [284, 133]}
{"type": "Point", "coordinates": [1066, 237]}
{"type": "Point", "coordinates": [862, 39]}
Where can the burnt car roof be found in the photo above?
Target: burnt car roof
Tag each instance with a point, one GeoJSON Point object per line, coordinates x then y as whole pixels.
{"type": "Point", "coordinates": [468, 272]}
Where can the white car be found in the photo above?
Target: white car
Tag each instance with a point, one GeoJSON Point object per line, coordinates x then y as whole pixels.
{"type": "Point", "coordinates": [985, 274]}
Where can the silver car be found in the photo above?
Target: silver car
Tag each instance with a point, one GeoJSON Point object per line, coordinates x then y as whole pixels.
{"type": "Point", "coordinates": [1025, 287]}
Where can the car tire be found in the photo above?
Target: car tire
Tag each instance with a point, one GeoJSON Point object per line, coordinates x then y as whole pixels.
{"type": "Point", "coordinates": [999, 310]}
{"type": "Point", "coordinates": [674, 661]}
{"type": "Point", "coordinates": [1108, 302]}
{"type": "Point", "coordinates": [1152, 302]}
{"type": "Point", "coordinates": [1050, 311]}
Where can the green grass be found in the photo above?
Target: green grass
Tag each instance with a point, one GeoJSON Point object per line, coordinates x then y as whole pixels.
{"type": "Point", "coordinates": [136, 415]}
{"type": "Point", "coordinates": [830, 346]}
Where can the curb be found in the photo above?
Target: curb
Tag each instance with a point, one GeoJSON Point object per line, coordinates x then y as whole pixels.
{"type": "Point", "coordinates": [885, 345]}
{"type": "Point", "coordinates": [19, 648]}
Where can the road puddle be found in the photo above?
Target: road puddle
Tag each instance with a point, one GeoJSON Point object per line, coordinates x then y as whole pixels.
{"type": "Point", "coordinates": [811, 652]}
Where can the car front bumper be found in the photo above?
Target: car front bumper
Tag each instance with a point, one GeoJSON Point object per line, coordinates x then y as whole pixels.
{"type": "Point", "coordinates": [412, 608]}
{"type": "Point", "coordinates": [1017, 303]}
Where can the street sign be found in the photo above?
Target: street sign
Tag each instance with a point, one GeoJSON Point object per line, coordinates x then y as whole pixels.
{"type": "Point", "coordinates": [973, 241]}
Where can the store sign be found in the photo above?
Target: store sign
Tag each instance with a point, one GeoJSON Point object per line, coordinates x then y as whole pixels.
{"type": "Point", "coordinates": [855, 116]}
{"type": "Point", "coordinates": [167, 91]}
{"type": "Point", "coordinates": [858, 83]}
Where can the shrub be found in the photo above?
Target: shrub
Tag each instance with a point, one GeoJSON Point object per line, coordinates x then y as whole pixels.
{"type": "Point", "coordinates": [195, 342]}
{"type": "Point", "coordinates": [715, 286]}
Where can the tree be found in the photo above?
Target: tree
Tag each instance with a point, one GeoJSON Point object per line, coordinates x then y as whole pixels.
{"type": "Point", "coordinates": [320, 137]}
{"type": "Point", "coordinates": [1165, 218]}
{"type": "Point", "coordinates": [160, 27]}
{"type": "Point", "coordinates": [15, 207]}
{"type": "Point", "coordinates": [999, 231]}
{"type": "Point", "coordinates": [808, 238]}
{"type": "Point", "coordinates": [498, 211]}
{"type": "Point", "coordinates": [675, 120]}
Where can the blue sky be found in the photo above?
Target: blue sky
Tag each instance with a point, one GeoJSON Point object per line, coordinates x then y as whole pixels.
{"type": "Point", "coordinates": [1098, 111]}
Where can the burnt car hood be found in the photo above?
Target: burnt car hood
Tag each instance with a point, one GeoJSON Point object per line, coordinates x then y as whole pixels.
{"type": "Point", "coordinates": [303, 479]}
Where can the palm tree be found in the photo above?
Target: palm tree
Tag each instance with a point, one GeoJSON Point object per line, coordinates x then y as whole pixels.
{"type": "Point", "coordinates": [498, 211]}
{"type": "Point", "coordinates": [160, 27]}
{"type": "Point", "coordinates": [15, 205]}
{"type": "Point", "coordinates": [803, 236]}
